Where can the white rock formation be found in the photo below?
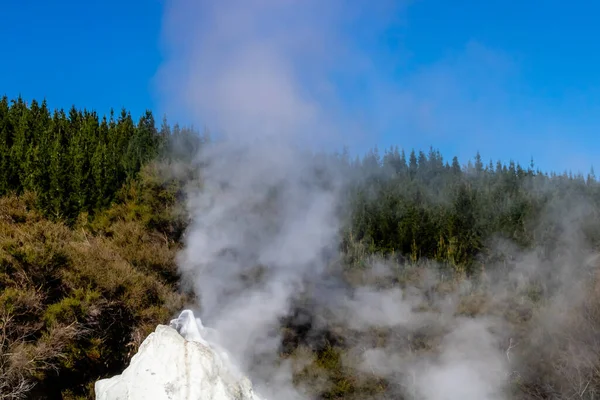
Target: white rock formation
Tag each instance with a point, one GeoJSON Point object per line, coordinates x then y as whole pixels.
{"type": "Point", "coordinates": [176, 363]}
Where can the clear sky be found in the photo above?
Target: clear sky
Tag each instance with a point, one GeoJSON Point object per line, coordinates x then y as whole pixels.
{"type": "Point", "coordinates": [96, 54]}
{"type": "Point", "coordinates": [511, 79]}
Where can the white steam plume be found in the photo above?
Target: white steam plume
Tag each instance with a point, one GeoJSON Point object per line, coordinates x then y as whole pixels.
{"type": "Point", "coordinates": [265, 220]}
{"type": "Point", "coordinates": [261, 69]}
{"type": "Point", "coordinates": [257, 72]}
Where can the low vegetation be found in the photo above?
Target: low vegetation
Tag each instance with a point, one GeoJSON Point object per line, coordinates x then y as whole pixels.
{"type": "Point", "coordinates": [77, 301]}
{"type": "Point", "coordinates": [92, 216]}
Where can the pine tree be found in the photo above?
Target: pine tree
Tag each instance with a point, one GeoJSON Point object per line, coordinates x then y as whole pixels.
{"type": "Point", "coordinates": [142, 146]}
{"type": "Point", "coordinates": [56, 203]}
{"type": "Point", "coordinates": [412, 164]}
{"type": "Point", "coordinates": [478, 164]}
{"type": "Point", "coordinates": [456, 170]}
{"type": "Point", "coordinates": [19, 115]}
{"type": "Point", "coordinates": [6, 139]}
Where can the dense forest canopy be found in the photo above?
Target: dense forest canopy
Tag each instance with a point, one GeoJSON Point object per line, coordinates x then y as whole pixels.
{"type": "Point", "coordinates": [91, 216]}
{"type": "Point", "coordinates": [77, 161]}
{"type": "Point", "coordinates": [414, 205]}
{"type": "Point", "coordinates": [425, 207]}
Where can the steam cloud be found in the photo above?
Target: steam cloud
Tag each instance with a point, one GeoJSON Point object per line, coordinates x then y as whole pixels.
{"type": "Point", "coordinates": [266, 222]}
{"type": "Point", "coordinates": [256, 71]}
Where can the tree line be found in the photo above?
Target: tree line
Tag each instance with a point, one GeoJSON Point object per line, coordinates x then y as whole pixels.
{"type": "Point", "coordinates": [77, 161]}
{"type": "Point", "coordinates": [415, 206]}
{"type": "Point", "coordinates": [422, 207]}
{"type": "Point", "coordinates": [78, 298]}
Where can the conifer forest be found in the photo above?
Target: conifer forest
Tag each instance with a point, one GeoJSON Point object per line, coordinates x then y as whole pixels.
{"type": "Point", "coordinates": [93, 215]}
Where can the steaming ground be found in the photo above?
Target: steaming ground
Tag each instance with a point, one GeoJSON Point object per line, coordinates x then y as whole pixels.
{"type": "Point", "coordinates": [263, 257]}
{"type": "Point", "coordinates": [243, 251]}
{"type": "Point", "coordinates": [262, 253]}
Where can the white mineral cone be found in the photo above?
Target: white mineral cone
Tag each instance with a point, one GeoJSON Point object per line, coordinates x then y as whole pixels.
{"type": "Point", "coordinates": [176, 363]}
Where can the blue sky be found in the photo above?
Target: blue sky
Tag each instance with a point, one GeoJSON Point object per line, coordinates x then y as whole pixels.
{"type": "Point", "coordinates": [95, 54]}
{"type": "Point", "coordinates": [512, 80]}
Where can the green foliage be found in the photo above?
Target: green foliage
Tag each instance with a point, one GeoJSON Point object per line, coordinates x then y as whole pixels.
{"type": "Point", "coordinates": [72, 308]}
{"type": "Point", "coordinates": [88, 243]}
{"type": "Point", "coordinates": [78, 162]}
{"type": "Point", "coordinates": [426, 209]}
{"type": "Point", "coordinates": [76, 303]}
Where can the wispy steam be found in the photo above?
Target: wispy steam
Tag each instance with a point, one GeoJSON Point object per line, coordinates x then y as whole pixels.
{"type": "Point", "coordinates": [270, 69]}
{"type": "Point", "coordinates": [265, 221]}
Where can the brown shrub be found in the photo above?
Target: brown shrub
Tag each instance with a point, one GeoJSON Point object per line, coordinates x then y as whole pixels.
{"type": "Point", "coordinates": [76, 304]}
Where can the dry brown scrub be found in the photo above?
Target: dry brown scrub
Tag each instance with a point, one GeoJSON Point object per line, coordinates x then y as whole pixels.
{"type": "Point", "coordinates": [75, 303]}
{"type": "Point", "coordinates": [549, 340]}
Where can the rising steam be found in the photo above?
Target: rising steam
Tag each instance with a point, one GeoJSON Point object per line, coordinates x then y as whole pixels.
{"type": "Point", "coordinates": [264, 222]}
{"type": "Point", "coordinates": [266, 219]}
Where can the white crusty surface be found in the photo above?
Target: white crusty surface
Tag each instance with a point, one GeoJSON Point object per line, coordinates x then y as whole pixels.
{"type": "Point", "coordinates": [176, 363]}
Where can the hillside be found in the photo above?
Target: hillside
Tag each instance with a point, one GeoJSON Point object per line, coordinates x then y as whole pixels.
{"type": "Point", "coordinates": [442, 272]}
